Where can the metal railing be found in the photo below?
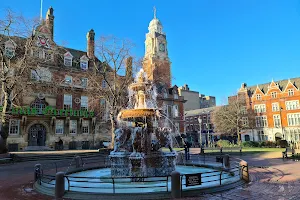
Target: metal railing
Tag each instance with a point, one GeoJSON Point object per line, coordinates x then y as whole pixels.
{"type": "Point", "coordinates": [161, 183]}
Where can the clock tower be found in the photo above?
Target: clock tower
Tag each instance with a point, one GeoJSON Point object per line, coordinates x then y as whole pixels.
{"type": "Point", "coordinates": [156, 62]}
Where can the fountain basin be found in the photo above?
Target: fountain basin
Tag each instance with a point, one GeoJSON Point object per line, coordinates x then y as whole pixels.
{"type": "Point", "coordinates": [136, 113]}
{"type": "Point", "coordinates": [100, 181]}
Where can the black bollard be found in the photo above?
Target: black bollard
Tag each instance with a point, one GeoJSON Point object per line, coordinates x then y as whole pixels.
{"type": "Point", "coordinates": [59, 185]}
{"type": "Point", "coordinates": [37, 172]}
{"type": "Point", "coordinates": [175, 185]}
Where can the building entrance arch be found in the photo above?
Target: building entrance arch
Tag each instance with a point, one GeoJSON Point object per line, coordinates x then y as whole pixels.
{"type": "Point", "coordinates": [278, 136]}
{"type": "Point", "coordinates": [37, 135]}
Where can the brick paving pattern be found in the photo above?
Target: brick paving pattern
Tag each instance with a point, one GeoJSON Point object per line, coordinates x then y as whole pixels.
{"type": "Point", "coordinates": [271, 178]}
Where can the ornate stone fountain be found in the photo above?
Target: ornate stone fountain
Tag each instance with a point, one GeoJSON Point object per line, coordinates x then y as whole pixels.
{"type": "Point", "coordinates": [138, 139]}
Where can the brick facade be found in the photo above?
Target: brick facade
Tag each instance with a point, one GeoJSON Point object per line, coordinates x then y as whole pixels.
{"type": "Point", "coordinates": [276, 105]}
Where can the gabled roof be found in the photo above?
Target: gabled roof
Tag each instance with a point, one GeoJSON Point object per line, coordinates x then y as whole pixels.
{"type": "Point", "coordinates": [281, 84]}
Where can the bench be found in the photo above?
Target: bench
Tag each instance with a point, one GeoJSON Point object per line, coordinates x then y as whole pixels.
{"type": "Point", "coordinates": [287, 150]}
{"type": "Point", "coordinates": [223, 149]}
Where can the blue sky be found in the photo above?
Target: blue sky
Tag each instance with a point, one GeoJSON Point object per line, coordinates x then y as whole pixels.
{"type": "Point", "coordinates": [214, 45]}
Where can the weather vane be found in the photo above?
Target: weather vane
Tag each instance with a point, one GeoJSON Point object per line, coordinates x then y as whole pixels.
{"type": "Point", "coordinates": [154, 11]}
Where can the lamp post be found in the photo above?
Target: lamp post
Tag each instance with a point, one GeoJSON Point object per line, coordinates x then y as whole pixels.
{"type": "Point", "coordinates": [282, 130]}
{"type": "Point", "coordinates": [200, 134]}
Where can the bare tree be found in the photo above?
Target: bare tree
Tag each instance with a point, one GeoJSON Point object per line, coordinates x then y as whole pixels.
{"type": "Point", "coordinates": [233, 118]}
{"type": "Point", "coordinates": [111, 77]}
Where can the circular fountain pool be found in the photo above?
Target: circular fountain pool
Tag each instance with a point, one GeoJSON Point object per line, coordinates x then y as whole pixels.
{"type": "Point", "coordinates": [100, 181]}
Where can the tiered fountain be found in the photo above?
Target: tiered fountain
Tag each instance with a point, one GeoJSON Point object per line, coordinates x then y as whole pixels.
{"type": "Point", "coordinates": [139, 139]}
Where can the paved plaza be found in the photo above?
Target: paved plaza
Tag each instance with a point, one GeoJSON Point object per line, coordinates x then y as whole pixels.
{"type": "Point", "coordinates": [271, 178]}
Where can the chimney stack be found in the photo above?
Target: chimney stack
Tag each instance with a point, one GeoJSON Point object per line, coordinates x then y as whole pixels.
{"type": "Point", "coordinates": [50, 21]}
{"type": "Point", "coordinates": [91, 44]}
{"type": "Point", "coordinates": [129, 67]}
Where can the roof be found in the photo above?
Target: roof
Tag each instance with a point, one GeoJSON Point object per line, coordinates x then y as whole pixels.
{"type": "Point", "coordinates": [282, 85]}
{"type": "Point", "coordinates": [199, 111]}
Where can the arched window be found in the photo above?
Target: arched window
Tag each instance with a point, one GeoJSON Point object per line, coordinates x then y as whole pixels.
{"type": "Point", "coordinates": [39, 104]}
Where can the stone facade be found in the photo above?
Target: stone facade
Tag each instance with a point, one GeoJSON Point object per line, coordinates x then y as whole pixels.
{"type": "Point", "coordinates": [195, 100]}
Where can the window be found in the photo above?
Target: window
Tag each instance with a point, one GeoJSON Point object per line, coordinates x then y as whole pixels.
{"type": "Point", "coordinates": [175, 110]}
{"type": "Point", "coordinates": [245, 121]}
{"type": "Point", "coordinates": [85, 126]}
{"type": "Point", "coordinates": [292, 105]}
{"type": "Point", "coordinates": [84, 62]}
{"type": "Point", "coordinates": [14, 127]}
{"type": "Point", "coordinates": [103, 109]}
{"type": "Point", "coordinates": [84, 65]}
{"type": "Point", "coordinates": [67, 101]}
{"type": "Point", "coordinates": [258, 97]}
{"type": "Point", "coordinates": [41, 74]}
{"type": "Point", "coordinates": [59, 126]}
{"type": "Point", "coordinates": [103, 84]}
{"type": "Point", "coordinates": [84, 103]}
{"type": "Point", "coordinates": [262, 136]}
{"type": "Point", "coordinates": [275, 107]}
{"type": "Point", "coordinates": [37, 53]}
{"type": "Point", "coordinates": [68, 80]}
{"type": "Point", "coordinates": [34, 75]}
{"type": "Point", "coordinates": [73, 126]}
{"type": "Point", "coordinates": [291, 92]}
{"type": "Point", "coordinates": [175, 95]}
{"type": "Point", "coordinates": [260, 108]}
{"type": "Point", "coordinates": [243, 110]}
{"type": "Point", "coordinates": [169, 111]}
{"type": "Point", "coordinates": [39, 105]}
{"type": "Point", "coordinates": [48, 55]}
{"type": "Point", "coordinates": [273, 95]}
{"type": "Point", "coordinates": [293, 119]}
{"type": "Point", "coordinates": [10, 47]}
{"type": "Point", "coordinates": [276, 119]}
{"type": "Point", "coordinates": [68, 61]}
{"type": "Point", "coordinates": [165, 94]}
{"type": "Point", "coordinates": [84, 82]}
{"type": "Point", "coordinates": [261, 121]}
{"type": "Point", "coordinates": [247, 138]}
{"type": "Point", "coordinates": [176, 127]}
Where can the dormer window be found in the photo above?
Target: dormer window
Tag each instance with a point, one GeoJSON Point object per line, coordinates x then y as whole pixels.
{"type": "Point", "coordinates": [68, 59]}
{"type": "Point", "coordinates": [10, 47]}
{"type": "Point", "coordinates": [84, 62]}
{"type": "Point", "coordinates": [274, 95]}
{"type": "Point", "coordinates": [68, 79]}
{"type": "Point", "coordinates": [291, 92]}
{"type": "Point", "coordinates": [175, 95]}
{"type": "Point", "coordinates": [258, 97]}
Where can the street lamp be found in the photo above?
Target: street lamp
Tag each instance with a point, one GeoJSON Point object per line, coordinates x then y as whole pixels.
{"type": "Point", "coordinates": [200, 134]}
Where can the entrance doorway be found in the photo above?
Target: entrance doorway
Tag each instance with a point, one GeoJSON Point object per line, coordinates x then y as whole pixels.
{"type": "Point", "coordinates": [37, 135]}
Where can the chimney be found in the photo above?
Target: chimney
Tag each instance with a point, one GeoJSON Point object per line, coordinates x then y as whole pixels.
{"type": "Point", "coordinates": [244, 85]}
{"type": "Point", "coordinates": [50, 21]}
{"type": "Point", "coordinates": [90, 36]}
{"type": "Point", "coordinates": [129, 67]}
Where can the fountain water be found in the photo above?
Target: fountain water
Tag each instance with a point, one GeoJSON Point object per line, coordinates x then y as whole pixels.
{"type": "Point", "coordinates": [136, 153]}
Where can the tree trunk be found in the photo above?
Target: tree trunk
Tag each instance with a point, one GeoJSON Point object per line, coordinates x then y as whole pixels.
{"type": "Point", "coordinates": [4, 120]}
{"type": "Point", "coordinates": [113, 127]}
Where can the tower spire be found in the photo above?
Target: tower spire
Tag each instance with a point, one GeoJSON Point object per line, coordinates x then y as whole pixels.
{"type": "Point", "coordinates": [41, 11]}
{"type": "Point", "coordinates": [154, 12]}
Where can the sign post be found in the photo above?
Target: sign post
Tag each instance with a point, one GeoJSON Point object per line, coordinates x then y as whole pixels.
{"type": "Point", "coordinates": [193, 179]}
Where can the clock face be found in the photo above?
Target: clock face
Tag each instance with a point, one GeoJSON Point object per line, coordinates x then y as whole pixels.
{"type": "Point", "coordinates": [162, 47]}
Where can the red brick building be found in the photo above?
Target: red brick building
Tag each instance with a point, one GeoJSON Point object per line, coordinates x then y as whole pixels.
{"type": "Point", "coordinates": [276, 105]}
{"type": "Point", "coordinates": [69, 113]}
{"type": "Point", "coordinates": [157, 65]}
